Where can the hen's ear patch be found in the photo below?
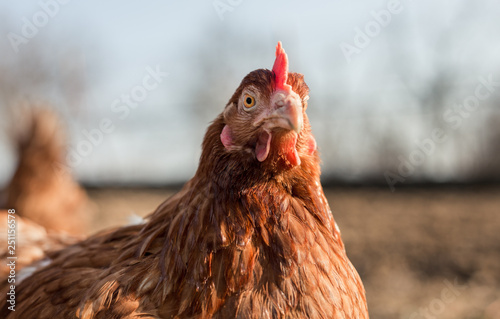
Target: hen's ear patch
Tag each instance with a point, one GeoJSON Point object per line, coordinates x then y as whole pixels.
{"type": "Point", "coordinates": [312, 146]}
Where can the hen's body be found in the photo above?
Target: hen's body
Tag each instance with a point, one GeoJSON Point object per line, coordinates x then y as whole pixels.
{"type": "Point", "coordinates": [31, 243]}
{"type": "Point", "coordinates": [51, 209]}
{"type": "Point", "coordinates": [244, 238]}
{"type": "Point", "coordinates": [42, 189]}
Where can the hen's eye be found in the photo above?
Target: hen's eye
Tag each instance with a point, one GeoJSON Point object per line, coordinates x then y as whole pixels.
{"type": "Point", "coordinates": [249, 101]}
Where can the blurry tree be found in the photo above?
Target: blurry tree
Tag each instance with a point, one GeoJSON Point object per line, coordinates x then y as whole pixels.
{"type": "Point", "coordinates": [220, 69]}
{"type": "Point", "coordinates": [44, 71]}
{"type": "Point", "coordinates": [438, 78]}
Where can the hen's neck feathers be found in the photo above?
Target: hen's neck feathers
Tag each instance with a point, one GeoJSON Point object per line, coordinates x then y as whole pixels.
{"type": "Point", "coordinates": [229, 178]}
{"type": "Point", "coordinates": [235, 226]}
{"type": "Point", "coordinates": [234, 196]}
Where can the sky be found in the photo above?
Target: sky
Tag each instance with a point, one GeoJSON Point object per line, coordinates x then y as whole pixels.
{"type": "Point", "coordinates": [114, 44]}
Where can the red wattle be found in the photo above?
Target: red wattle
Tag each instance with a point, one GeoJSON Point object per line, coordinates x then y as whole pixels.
{"type": "Point", "coordinates": [263, 146]}
{"type": "Point", "coordinates": [226, 137]}
{"type": "Point", "coordinates": [290, 150]}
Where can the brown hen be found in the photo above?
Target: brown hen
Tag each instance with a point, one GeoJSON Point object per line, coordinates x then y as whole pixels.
{"type": "Point", "coordinates": [42, 188]}
{"type": "Point", "coordinates": [251, 235]}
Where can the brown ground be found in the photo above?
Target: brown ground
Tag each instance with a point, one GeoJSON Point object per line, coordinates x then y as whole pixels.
{"type": "Point", "coordinates": [422, 253]}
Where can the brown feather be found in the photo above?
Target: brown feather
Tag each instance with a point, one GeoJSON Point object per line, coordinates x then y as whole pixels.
{"type": "Point", "coordinates": [242, 239]}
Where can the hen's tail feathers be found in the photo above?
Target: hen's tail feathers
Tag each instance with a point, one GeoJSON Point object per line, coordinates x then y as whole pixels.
{"type": "Point", "coordinates": [42, 188]}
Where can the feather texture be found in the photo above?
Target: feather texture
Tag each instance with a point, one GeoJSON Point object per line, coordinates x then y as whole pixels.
{"type": "Point", "coordinates": [242, 239]}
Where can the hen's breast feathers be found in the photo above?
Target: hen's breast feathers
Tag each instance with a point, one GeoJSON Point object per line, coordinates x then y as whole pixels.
{"type": "Point", "coordinates": [264, 250]}
{"type": "Point", "coordinates": [242, 247]}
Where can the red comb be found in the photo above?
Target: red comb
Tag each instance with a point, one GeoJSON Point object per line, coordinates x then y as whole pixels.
{"type": "Point", "coordinates": [280, 69]}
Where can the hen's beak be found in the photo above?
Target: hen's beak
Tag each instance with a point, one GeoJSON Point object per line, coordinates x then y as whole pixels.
{"type": "Point", "coordinates": [285, 111]}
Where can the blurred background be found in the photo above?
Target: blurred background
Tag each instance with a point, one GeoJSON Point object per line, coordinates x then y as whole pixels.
{"type": "Point", "coordinates": [404, 104]}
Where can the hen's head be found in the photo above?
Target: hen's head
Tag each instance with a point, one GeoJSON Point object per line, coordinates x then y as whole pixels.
{"type": "Point", "coordinates": [266, 117]}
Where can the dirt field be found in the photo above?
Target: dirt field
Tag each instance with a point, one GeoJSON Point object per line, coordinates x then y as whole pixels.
{"type": "Point", "coordinates": [422, 253]}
